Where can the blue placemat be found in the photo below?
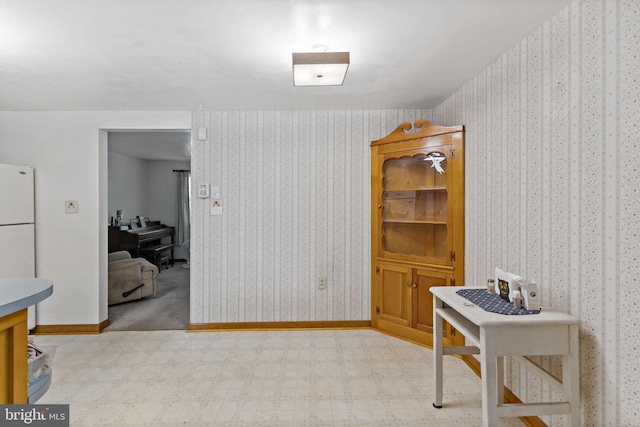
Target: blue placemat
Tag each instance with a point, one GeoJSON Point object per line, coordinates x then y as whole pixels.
{"type": "Point", "coordinates": [492, 302]}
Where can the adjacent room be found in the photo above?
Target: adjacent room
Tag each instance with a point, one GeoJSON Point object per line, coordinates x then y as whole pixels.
{"type": "Point", "coordinates": [336, 175]}
{"type": "Point", "coordinates": [149, 177]}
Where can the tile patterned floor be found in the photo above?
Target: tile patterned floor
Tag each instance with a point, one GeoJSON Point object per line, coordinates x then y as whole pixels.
{"type": "Point", "coordinates": [266, 378]}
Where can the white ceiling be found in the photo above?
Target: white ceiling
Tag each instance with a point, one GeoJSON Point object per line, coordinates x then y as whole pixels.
{"type": "Point", "coordinates": [182, 55]}
{"type": "Point", "coordinates": [179, 55]}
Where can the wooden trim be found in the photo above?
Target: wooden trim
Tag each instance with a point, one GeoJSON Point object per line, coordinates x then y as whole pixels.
{"type": "Point", "coordinates": [375, 207]}
{"type": "Point", "coordinates": [424, 128]}
{"type": "Point", "coordinates": [473, 363]}
{"type": "Point", "coordinates": [458, 193]}
{"type": "Point", "coordinates": [407, 339]}
{"type": "Point", "coordinates": [70, 329]}
{"type": "Point", "coordinates": [448, 269]}
{"type": "Point", "coordinates": [509, 396]}
{"type": "Point", "coordinates": [240, 326]}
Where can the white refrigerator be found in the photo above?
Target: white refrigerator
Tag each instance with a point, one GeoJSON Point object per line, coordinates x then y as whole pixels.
{"type": "Point", "coordinates": [17, 229]}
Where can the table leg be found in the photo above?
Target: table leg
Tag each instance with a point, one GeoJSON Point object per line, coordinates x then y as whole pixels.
{"type": "Point", "coordinates": [488, 360]}
{"type": "Point", "coordinates": [571, 378]}
{"type": "Point", "coordinates": [437, 352]}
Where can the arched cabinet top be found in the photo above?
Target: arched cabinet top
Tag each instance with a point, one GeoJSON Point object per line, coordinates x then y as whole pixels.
{"type": "Point", "coordinates": [421, 128]}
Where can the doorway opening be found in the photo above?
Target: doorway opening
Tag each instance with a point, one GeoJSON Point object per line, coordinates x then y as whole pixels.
{"type": "Point", "coordinates": [149, 221]}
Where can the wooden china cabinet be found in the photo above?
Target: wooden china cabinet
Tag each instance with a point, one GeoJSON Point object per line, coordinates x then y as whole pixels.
{"type": "Point", "coordinates": [417, 226]}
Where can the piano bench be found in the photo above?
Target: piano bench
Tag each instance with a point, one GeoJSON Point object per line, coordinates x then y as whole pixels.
{"type": "Point", "coordinates": [154, 253]}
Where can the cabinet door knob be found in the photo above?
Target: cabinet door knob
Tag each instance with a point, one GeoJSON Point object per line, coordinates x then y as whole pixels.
{"type": "Point", "coordinates": [379, 206]}
{"type": "Point", "coordinates": [409, 284]}
{"type": "Point", "coordinates": [415, 285]}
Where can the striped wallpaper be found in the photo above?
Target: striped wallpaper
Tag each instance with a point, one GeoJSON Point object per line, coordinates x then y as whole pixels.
{"type": "Point", "coordinates": [295, 189]}
{"type": "Point", "coordinates": [552, 182]}
{"type": "Point", "coordinates": [552, 153]}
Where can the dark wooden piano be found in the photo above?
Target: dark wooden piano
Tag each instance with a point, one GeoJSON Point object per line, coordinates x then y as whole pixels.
{"type": "Point", "coordinates": [149, 242]}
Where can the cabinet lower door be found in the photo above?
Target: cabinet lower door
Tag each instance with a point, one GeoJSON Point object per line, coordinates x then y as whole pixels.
{"type": "Point", "coordinates": [395, 289]}
{"type": "Point", "coordinates": [423, 298]}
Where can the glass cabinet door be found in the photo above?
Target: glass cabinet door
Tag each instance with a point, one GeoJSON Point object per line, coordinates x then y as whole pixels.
{"type": "Point", "coordinates": [415, 204]}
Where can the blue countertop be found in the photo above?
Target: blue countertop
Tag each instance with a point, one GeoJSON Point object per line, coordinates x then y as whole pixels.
{"type": "Point", "coordinates": [18, 293]}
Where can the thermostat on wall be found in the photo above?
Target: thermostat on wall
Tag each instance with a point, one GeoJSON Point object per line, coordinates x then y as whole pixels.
{"type": "Point", "coordinates": [203, 191]}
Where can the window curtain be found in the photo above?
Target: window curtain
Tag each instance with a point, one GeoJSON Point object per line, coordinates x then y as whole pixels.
{"type": "Point", "coordinates": [183, 223]}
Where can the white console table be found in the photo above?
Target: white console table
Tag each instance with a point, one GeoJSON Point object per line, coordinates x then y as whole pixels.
{"type": "Point", "coordinates": [494, 336]}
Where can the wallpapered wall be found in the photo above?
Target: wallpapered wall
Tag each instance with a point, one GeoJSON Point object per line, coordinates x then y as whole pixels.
{"type": "Point", "coordinates": [295, 190]}
{"type": "Point", "coordinates": [551, 189]}
{"type": "Point", "coordinates": [551, 193]}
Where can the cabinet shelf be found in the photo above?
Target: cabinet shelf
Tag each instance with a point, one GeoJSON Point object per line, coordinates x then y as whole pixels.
{"type": "Point", "coordinates": [406, 221]}
{"type": "Point", "coordinates": [433, 188]}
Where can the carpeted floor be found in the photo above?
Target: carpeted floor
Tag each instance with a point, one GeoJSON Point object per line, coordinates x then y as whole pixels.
{"type": "Point", "coordinates": [168, 310]}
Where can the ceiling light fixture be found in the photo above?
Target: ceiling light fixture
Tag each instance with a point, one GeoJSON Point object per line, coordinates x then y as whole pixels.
{"type": "Point", "coordinates": [320, 68]}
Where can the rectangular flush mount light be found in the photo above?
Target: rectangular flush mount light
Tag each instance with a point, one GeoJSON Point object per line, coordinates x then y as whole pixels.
{"type": "Point", "coordinates": [320, 68]}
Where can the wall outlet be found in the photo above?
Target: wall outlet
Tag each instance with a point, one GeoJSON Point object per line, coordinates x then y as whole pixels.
{"type": "Point", "coordinates": [71, 207]}
{"type": "Point", "coordinates": [322, 283]}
